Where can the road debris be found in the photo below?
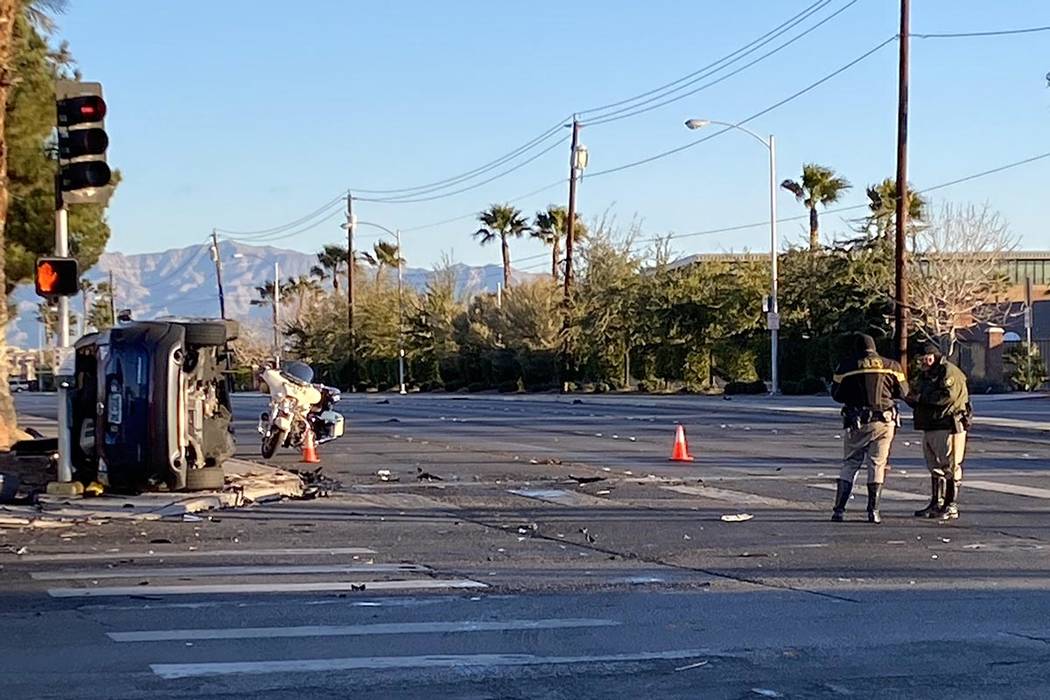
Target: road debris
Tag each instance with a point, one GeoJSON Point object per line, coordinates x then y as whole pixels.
{"type": "Point", "coordinates": [688, 667]}
{"type": "Point", "coordinates": [586, 479]}
{"type": "Point", "coordinates": [529, 529]}
{"type": "Point", "coordinates": [426, 476]}
{"type": "Point", "coordinates": [603, 492]}
{"type": "Point", "coordinates": [766, 693]}
{"type": "Point", "coordinates": [387, 475]}
{"type": "Point", "coordinates": [736, 517]}
{"type": "Point", "coordinates": [316, 484]}
{"type": "Point", "coordinates": [591, 539]}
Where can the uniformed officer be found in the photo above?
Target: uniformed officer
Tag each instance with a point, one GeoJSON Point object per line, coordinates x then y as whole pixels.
{"type": "Point", "coordinates": [868, 386]}
{"type": "Point", "coordinates": [940, 404]}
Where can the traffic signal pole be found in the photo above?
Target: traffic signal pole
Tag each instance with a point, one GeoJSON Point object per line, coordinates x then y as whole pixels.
{"type": "Point", "coordinates": [62, 251]}
{"type": "Point", "coordinates": [64, 467]}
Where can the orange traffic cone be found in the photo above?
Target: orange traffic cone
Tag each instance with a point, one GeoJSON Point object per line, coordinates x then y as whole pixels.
{"type": "Point", "coordinates": [680, 452]}
{"type": "Point", "coordinates": [310, 448]}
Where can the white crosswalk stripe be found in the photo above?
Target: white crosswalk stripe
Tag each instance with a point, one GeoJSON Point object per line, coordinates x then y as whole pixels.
{"type": "Point", "coordinates": [174, 671]}
{"type": "Point", "coordinates": [264, 587]}
{"type": "Point", "coordinates": [244, 579]}
{"type": "Point", "coordinates": [355, 630]}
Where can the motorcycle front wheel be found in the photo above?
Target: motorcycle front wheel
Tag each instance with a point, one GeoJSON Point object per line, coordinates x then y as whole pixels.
{"type": "Point", "coordinates": [271, 441]}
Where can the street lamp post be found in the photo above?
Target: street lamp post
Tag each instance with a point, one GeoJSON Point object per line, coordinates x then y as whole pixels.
{"type": "Point", "coordinates": [400, 304]}
{"type": "Point", "coordinates": [773, 317]}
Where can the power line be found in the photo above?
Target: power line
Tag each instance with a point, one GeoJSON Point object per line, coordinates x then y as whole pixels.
{"type": "Point", "coordinates": [853, 207]}
{"type": "Point", "coordinates": [291, 224]}
{"type": "Point", "coordinates": [645, 106]}
{"type": "Point", "coordinates": [803, 15]}
{"type": "Point", "coordinates": [412, 200]}
{"type": "Point", "coordinates": [474, 213]}
{"type": "Point", "coordinates": [754, 116]}
{"type": "Point", "coordinates": [456, 179]}
{"type": "Point", "coordinates": [305, 229]}
{"type": "Point", "coordinates": [970, 35]}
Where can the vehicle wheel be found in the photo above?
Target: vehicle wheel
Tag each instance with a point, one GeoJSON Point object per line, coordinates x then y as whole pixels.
{"type": "Point", "coordinates": [271, 442]}
{"type": "Point", "coordinates": [206, 333]}
{"type": "Point", "coordinates": [205, 479]}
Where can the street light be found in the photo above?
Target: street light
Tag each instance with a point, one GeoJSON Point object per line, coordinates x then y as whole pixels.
{"type": "Point", "coordinates": [400, 304]}
{"type": "Point", "coordinates": [773, 316]}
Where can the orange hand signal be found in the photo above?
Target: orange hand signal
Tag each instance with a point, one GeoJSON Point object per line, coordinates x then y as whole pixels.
{"type": "Point", "coordinates": [46, 277]}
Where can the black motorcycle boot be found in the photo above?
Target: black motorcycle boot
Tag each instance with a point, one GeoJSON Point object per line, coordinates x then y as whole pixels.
{"type": "Point", "coordinates": [874, 495]}
{"type": "Point", "coordinates": [933, 510]}
{"type": "Point", "coordinates": [951, 500]}
{"type": "Point", "coordinates": [842, 492]}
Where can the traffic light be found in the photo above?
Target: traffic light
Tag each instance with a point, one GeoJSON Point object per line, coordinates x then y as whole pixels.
{"type": "Point", "coordinates": [82, 142]}
{"type": "Point", "coordinates": [57, 277]}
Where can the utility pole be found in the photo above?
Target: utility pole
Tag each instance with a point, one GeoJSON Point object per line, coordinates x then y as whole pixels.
{"type": "Point", "coordinates": [350, 224]}
{"type": "Point", "coordinates": [277, 313]}
{"type": "Point", "coordinates": [112, 298]}
{"type": "Point", "coordinates": [570, 224]}
{"type": "Point", "coordinates": [1028, 331]}
{"type": "Point", "coordinates": [400, 317]}
{"type": "Point", "coordinates": [773, 319]}
{"type": "Point", "coordinates": [218, 271]}
{"type": "Point", "coordinates": [900, 313]}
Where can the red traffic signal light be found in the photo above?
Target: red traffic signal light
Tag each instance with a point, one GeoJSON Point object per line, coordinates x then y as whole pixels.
{"type": "Point", "coordinates": [81, 110]}
{"type": "Point", "coordinates": [57, 277]}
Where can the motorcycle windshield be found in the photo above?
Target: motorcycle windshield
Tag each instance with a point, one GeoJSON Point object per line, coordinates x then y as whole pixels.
{"type": "Point", "coordinates": [299, 370]}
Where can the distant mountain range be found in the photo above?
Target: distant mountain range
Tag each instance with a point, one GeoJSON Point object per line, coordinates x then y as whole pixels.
{"type": "Point", "coordinates": [182, 282]}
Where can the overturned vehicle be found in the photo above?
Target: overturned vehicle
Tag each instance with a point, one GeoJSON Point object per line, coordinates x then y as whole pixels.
{"type": "Point", "coordinates": [150, 405]}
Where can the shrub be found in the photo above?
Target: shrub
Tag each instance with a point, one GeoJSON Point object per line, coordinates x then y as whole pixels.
{"type": "Point", "coordinates": [476, 386]}
{"type": "Point", "coordinates": [812, 385]}
{"type": "Point", "coordinates": [508, 387]}
{"type": "Point", "coordinates": [755, 387]}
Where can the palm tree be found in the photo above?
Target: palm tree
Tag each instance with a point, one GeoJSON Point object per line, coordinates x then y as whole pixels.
{"type": "Point", "coordinates": [502, 221]}
{"type": "Point", "coordinates": [819, 186]}
{"type": "Point", "coordinates": [331, 262]}
{"type": "Point", "coordinates": [86, 288]}
{"type": "Point", "coordinates": [551, 227]}
{"type": "Point", "coordinates": [882, 207]}
{"type": "Point", "coordinates": [303, 291]}
{"type": "Point", "coordinates": [386, 255]}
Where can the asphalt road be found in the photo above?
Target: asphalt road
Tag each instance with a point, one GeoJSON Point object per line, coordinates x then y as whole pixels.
{"type": "Point", "coordinates": [510, 578]}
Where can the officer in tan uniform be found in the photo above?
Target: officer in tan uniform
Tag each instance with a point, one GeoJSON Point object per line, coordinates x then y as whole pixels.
{"type": "Point", "coordinates": [940, 405]}
{"type": "Point", "coordinates": [868, 386]}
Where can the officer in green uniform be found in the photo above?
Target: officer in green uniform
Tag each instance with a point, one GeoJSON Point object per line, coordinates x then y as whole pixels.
{"type": "Point", "coordinates": [940, 404]}
{"type": "Point", "coordinates": [868, 386]}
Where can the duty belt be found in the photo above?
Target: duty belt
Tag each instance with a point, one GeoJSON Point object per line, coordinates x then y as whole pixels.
{"type": "Point", "coordinates": [856, 416]}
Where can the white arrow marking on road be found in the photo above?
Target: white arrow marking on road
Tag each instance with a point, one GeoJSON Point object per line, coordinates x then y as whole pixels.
{"type": "Point", "coordinates": [183, 571]}
{"type": "Point", "coordinates": [174, 671]}
{"type": "Point", "coordinates": [237, 588]}
{"type": "Point", "coordinates": [355, 630]}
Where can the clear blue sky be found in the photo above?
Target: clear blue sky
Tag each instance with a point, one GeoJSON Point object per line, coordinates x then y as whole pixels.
{"type": "Point", "coordinates": [245, 114]}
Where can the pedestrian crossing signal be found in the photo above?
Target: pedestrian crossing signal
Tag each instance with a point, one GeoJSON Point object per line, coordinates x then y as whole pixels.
{"type": "Point", "coordinates": [57, 277]}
